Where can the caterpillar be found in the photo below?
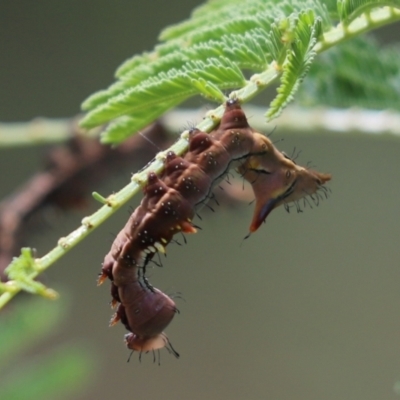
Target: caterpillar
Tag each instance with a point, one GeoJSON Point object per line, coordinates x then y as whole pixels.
{"type": "Point", "coordinates": [170, 203]}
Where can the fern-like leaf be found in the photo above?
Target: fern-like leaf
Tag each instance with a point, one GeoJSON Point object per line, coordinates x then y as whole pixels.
{"type": "Point", "coordinates": [213, 50]}
{"type": "Point", "coordinates": [204, 55]}
{"type": "Point", "coordinates": [299, 58]}
{"type": "Point", "coordinates": [167, 88]}
{"type": "Point", "coordinates": [356, 73]}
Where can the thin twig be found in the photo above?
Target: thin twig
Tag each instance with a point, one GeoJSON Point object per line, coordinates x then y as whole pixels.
{"type": "Point", "coordinates": [70, 172]}
{"type": "Point", "coordinates": [255, 85]}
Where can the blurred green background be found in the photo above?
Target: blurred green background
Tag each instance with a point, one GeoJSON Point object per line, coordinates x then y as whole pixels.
{"type": "Point", "coordinates": [307, 308]}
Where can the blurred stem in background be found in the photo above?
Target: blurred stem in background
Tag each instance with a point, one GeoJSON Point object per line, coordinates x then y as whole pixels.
{"type": "Point", "coordinates": [41, 131]}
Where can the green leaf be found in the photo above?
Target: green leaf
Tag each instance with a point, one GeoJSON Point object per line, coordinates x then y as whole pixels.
{"type": "Point", "coordinates": [20, 272]}
{"type": "Point", "coordinates": [121, 128]}
{"type": "Point", "coordinates": [299, 58]}
{"type": "Point", "coordinates": [357, 73]}
{"type": "Point", "coordinates": [167, 88]}
{"type": "Point", "coordinates": [204, 55]}
{"type": "Point", "coordinates": [210, 52]}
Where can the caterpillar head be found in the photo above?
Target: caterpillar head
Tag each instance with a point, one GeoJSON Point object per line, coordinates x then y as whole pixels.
{"type": "Point", "coordinates": [276, 179]}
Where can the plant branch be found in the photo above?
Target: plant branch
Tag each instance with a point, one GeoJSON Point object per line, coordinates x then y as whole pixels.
{"type": "Point", "coordinates": [40, 131]}
{"type": "Point", "coordinates": [255, 85]}
{"type": "Point", "coordinates": [364, 23]}
{"type": "Point", "coordinates": [304, 120]}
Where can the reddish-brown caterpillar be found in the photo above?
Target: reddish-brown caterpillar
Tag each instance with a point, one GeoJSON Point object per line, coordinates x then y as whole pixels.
{"type": "Point", "coordinates": [169, 206]}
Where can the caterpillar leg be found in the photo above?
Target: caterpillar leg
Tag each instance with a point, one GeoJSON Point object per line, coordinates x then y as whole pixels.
{"type": "Point", "coordinates": [119, 315]}
{"type": "Point", "coordinates": [115, 296]}
{"type": "Point", "coordinates": [102, 277]}
{"type": "Point", "coordinates": [106, 271]}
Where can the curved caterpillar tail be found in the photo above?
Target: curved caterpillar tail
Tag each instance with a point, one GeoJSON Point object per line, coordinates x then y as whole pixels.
{"type": "Point", "coordinates": [172, 200]}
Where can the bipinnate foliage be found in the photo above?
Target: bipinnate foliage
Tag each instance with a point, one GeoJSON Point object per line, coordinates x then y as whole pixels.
{"type": "Point", "coordinates": [364, 75]}
{"type": "Point", "coordinates": [238, 47]}
{"type": "Point", "coordinates": [224, 40]}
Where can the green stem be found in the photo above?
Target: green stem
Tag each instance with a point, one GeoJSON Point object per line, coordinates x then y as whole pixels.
{"type": "Point", "coordinates": [256, 84]}
{"type": "Point", "coordinates": [364, 23]}
{"type": "Point", "coordinates": [39, 131]}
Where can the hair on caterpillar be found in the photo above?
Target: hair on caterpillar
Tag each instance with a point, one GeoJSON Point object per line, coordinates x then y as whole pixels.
{"type": "Point", "coordinates": [172, 200]}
